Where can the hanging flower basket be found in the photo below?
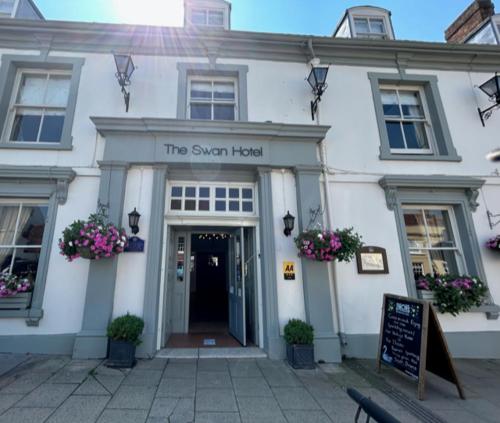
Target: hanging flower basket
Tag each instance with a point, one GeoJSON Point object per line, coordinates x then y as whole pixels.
{"type": "Point", "coordinates": [92, 239]}
{"type": "Point", "coordinates": [326, 245]}
{"type": "Point", "coordinates": [494, 243]}
{"type": "Point", "coordinates": [15, 292]}
{"type": "Point", "coordinates": [453, 294]}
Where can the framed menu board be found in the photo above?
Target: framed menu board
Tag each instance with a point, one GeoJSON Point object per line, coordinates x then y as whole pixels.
{"type": "Point", "coordinates": [372, 260]}
{"type": "Point", "coordinates": [412, 341]}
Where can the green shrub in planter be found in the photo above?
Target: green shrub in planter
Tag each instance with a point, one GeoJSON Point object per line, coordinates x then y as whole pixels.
{"type": "Point", "coordinates": [124, 335]}
{"type": "Point", "coordinates": [299, 337]}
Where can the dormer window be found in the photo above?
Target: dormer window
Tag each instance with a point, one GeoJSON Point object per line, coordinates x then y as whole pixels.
{"type": "Point", "coordinates": [6, 8]}
{"type": "Point", "coordinates": [369, 27]}
{"type": "Point", "coordinates": [207, 17]}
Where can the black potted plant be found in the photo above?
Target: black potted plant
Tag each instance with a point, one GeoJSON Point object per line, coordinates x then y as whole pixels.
{"type": "Point", "coordinates": [123, 334]}
{"type": "Point", "coordinates": [299, 338]}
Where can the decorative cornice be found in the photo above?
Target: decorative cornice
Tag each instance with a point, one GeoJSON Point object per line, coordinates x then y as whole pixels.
{"type": "Point", "coordinates": [192, 42]}
{"type": "Point", "coordinates": [269, 131]}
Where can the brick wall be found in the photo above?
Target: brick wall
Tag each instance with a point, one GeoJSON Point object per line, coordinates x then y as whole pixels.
{"type": "Point", "coordinates": [470, 20]}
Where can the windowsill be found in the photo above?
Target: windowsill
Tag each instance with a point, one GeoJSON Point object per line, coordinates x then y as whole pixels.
{"type": "Point", "coordinates": [419, 157]}
{"type": "Point", "coordinates": [35, 146]}
{"type": "Point", "coordinates": [32, 315]}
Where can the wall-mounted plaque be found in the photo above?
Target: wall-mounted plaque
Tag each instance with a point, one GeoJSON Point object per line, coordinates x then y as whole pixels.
{"type": "Point", "coordinates": [289, 270]}
{"type": "Point", "coordinates": [135, 245]}
{"type": "Point", "coordinates": [372, 261]}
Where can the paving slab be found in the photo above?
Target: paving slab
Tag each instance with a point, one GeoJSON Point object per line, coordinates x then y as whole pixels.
{"type": "Point", "coordinates": [123, 416]}
{"type": "Point", "coordinates": [25, 383]}
{"type": "Point", "coordinates": [206, 417]}
{"type": "Point", "coordinates": [244, 368]}
{"type": "Point", "coordinates": [295, 399]}
{"type": "Point", "coordinates": [91, 387]}
{"type": "Point", "coordinates": [213, 365]}
{"type": "Point", "coordinates": [47, 395]}
{"type": "Point", "coordinates": [8, 400]}
{"type": "Point", "coordinates": [163, 407]}
{"type": "Point", "coordinates": [75, 372]}
{"type": "Point", "coordinates": [79, 409]}
{"type": "Point", "coordinates": [251, 387]}
{"type": "Point", "coordinates": [133, 397]}
{"type": "Point", "coordinates": [180, 370]}
{"type": "Point", "coordinates": [218, 400]}
{"type": "Point", "coordinates": [110, 383]}
{"type": "Point", "coordinates": [141, 377]}
{"type": "Point", "coordinates": [264, 409]}
{"type": "Point", "coordinates": [213, 380]}
{"type": "Point", "coordinates": [26, 415]}
{"type": "Point", "coordinates": [152, 364]}
{"type": "Point", "coordinates": [177, 388]}
{"type": "Point", "coordinates": [183, 412]}
{"type": "Point", "coordinates": [309, 416]}
{"type": "Point", "coordinates": [9, 362]}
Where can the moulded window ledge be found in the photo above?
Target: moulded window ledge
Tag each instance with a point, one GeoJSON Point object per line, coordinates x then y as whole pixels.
{"type": "Point", "coordinates": [419, 156]}
{"type": "Point", "coordinates": [21, 145]}
{"type": "Point", "coordinates": [31, 315]}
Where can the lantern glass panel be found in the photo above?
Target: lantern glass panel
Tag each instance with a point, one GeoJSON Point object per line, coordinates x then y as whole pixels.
{"type": "Point", "coordinates": [289, 221]}
{"type": "Point", "coordinates": [133, 218]}
{"type": "Point", "coordinates": [321, 75]}
{"type": "Point", "coordinates": [312, 79]}
{"type": "Point", "coordinates": [490, 87]}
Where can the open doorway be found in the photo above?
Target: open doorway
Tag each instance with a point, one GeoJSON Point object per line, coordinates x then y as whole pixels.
{"type": "Point", "coordinates": [213, 292]}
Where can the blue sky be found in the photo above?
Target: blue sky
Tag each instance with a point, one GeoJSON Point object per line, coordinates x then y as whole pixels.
{"type": "Point", "coordinates": [412, 19]}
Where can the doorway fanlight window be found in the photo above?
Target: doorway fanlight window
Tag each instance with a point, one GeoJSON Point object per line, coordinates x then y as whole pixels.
{"type": "Point", "coordinates": [212, 198]}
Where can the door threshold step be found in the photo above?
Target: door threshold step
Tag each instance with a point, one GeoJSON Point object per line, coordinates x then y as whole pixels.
{"type": "Point", "coordinates": [240, 352]}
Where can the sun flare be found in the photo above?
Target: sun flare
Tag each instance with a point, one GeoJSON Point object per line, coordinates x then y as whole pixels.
{"type": "Point", "coordinates": [149, 12]}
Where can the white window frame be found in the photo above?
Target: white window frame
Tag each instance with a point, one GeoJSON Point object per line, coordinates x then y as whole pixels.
{"type": "Point", "coordinates": [426, 120]}
{"type": "Point", "coordinates": [213, 102]}
{"type": "Point", "coordinates": [207, 11]}
{"type": "Point", "coordinates": [43, 108]}
{"type": "Point", "coordinates": [13, 12]}
{"type": "Point", "coordinates": [20, 202]}
{"type": "Point", "coordinates": [212, 199]}
{"type": "Point", "coordinates": [374, 35]}
{"type": "Point", "coordinates": [459, 255]}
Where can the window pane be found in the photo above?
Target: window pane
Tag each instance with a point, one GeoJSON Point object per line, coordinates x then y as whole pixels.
{"type": "Point", "coordinates": [444, 262]}
{"type": "Point", "coordinates": [395, 134]}
{"type": "Point", "coordinates": [204, 192]}
{"type": "Point", "coordinates": [52, 128]}
{"type": "Point", "coordinates": [247, 193]}
{"type": "Point", "coordinates": [25, 127]}
{"type": "Point", "coordinates": [26, 262]}
{"type": "Point", "coordinates": [415, 229]}
{"type": "Point", "coordinates": [5, 259]}
{"type": "Point", "coordinates": [234, 192]}
{"type": "Point", "coordinates": [220, 206]}
{"type": "Point", "coordinates": [203, 205]}
{"type": "Point", "coordinates": [223, 91]}
{"type": "Point", "coordinates": [201, 111]}
{"type": "Point", "coordinates": [190, 205]}
{"type": "Point", "coordinates": [176, 191]}
{"type": "Point", "coordinates": [390, 103]}
{"type": "Point", "coordinates": [31, 225]}
{"type": "Point", "coordinates": [199, 17]}
{"type": "Point", "coordinates": [190, 192]}
{"type": "Point", "coordinates": [234, 206]}
{"type": "Point", "coordinates": [57, 91]}
{"type": "Point", "coordinates": [361, 25]}
{"type": "Point", "coordinates": [247, 206]}
{"type": "Point", "coordinates": [6, 6]}
{"type": "Point", "coordinates": [8, 219]}
{"type": "Point", "coordinates": [176, 205]}
{"type": "Point", "coordinates": [377, 26]}
{"type": "Point", "coordinates": [215, 17]}
{"type": "Point", "coordinates": [32, 89]}
{"type": "Point", "coordinates": [223, 112]}
{"type": "Point", "coordinates": [411, 104]}
{"type": "Point", "coordinates": [220, 192]}
{"type": "Point", "coordinates": [439, 225]}
{"type": "Point", "coordinates": [420, 264]}
{"type": "Point", "coordinates": [201, 90]}
{"type": "Point", "coordinates": [415, 135]}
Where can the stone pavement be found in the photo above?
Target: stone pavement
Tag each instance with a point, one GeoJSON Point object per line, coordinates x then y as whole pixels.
{"type": "Point", "coordinates": [58, 389]}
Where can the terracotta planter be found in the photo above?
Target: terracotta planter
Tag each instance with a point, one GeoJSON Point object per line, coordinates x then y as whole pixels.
{"type": "Point", "coordinates": [16, 302]}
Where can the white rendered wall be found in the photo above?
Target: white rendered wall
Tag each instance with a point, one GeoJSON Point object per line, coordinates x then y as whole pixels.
{"type": "Point", "coordinates": [290, 293]}
{"type": "Point", "coordinates": [131, 273]}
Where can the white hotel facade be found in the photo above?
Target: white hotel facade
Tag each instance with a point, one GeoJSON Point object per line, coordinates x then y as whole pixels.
{"type": "Point", "coordinates": [219, 140]}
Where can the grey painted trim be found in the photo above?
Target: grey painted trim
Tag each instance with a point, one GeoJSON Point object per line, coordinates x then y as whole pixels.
{"type": "Point", "coordinates": [273, 342]}
{"type": "Point", "coordinates": [459, 192]}
{"type": "Point", "coordinates": [91, 341]}
{"type": "Point", "coordinates": [8, 71]}
{"type": "Point", "coordinates": [37, 182]}
{"type": "Point", "coordinates": [153, 262]}
{"type": "Point", "coordinates": [105, 38]}
{"type": "Point", "coordinates": [61, 344]}
{"type": "Point", "coordinates": [483, 345]}
{"type": "Point", "coordinates": [315, 276]}
{"type": "Point", "coordinates": [257, 130]}
{"type": "Point", "coordinates": [203, 173]}
{"type": "Point", "coordinates": [189, 69]}
{"type": "Point", "coordinates": [441, 142]}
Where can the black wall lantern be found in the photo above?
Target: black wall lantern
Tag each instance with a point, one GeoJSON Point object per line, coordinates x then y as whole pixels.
{"type": "Point", "coordinates": [289, 221]}
{"type": "Point", "coordinates": [133, 221]}
{"type": "Point", "coordinates": [492, 89]}
{"type": "Point", "coordinates": [317, 81]}
{"type": "Point", "coordinates": [494, 155]}
{"type": "Point", "coordinates": [124, 69]}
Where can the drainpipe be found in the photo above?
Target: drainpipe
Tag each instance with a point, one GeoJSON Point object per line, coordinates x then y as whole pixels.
{"type": "Point", "coordinates": [339, 315]}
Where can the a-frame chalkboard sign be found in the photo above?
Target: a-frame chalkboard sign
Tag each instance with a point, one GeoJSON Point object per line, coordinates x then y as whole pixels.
{"type": "Point", "coordinates": [412, 341]}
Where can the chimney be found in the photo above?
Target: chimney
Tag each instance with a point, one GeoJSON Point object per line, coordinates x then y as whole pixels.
{"type": "Point", "coordinates": [470, 20]}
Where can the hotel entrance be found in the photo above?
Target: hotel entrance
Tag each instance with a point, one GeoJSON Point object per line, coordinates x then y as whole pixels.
{"type": "Point", "coordinates": [211, 294]}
